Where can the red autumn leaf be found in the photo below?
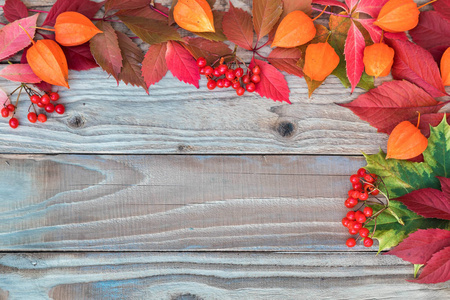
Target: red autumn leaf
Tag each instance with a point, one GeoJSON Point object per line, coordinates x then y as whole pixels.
{"type": "Point", "coordinates": [445, 186]}
{"type": "Point", "coordinates": [420, 246]}
{"type": "Point", "coordinates": [125, 4]}
{"type": "Point", "coordinates": [331, 3]}
{"type": "Point", "coordinates": [442, 7]}
{"type": "Point", "coordinates": [273, 85]}
{"type": "Point", "coordinates": [285, 59]}
{"type": "Point", "coordinates": [437, 268]}
{"type": "Point", "coordinates": [371, 7]}
{"type": "Point", "coordinates": [145, 12]}
{"type": "Point", "coordinates": [106, 51]}
{"type": "Point", "coordinates": [432, 32]}
{"type": "Point", "coordinates": [391, 103]}
{"type": "Point", "coordinates": [181, 64]}
{"type": "Point", "coordinates": [3, 96]}
{"type": "Point", "coordinates": [238, 28]}
{"type": "Point", "coordinates": [154, 66]}
{"type": "Point", "coordinates": [79, 58]}
{"type": "Point", "coordinates": [428, 202]}
{"type": "Point", "coordinates": [375, 31]}
{"type": "Point", "coordinates": [351, 3]}
{"type": "Point", "coordinates": [15, 10]}
{"type": "Point", "coordinates": [354, 53]}
{"type": "Point", "coordinates": [13, 38]}
{"type": "Point", "coordinates": [85, 7]}
{"type": "Point", "coordinates": [19, 73]}
{"type": "Point", "coordinates": [427, 120]}
{"type": "Point", "coordinates": [200, 47]}
{"type": "Point", "coordinates": [265, 15]}
{"type": "Point", "coordinates": [132, 60]}
{"type": "Point", "coordinates": [424, 74]}
{"type": "Point", "coordinates": [291, 5]}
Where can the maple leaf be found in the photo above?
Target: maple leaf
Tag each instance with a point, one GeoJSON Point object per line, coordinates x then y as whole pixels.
{"type": "Point", "coordinates": [19, 73]}
{"type": "Point", "coordinates": [14, 10]}
{"type": "Point", "coordinates": [265, 15]}
{"type": "Point", "coordinates": [437, 154]}
{"type": "Point", "coordinates": [145, 12]}
{"type": "Point", "coordinates": [237, 26]}
{"type": "Point", "coordinates": [79, 58]}
{"type": "Point", "coordinates": [85, 7]}
{"type": "Point", "coordinates": [132, 60]}
{"type": "Point", "coordinates": [442, 7]}
{"type": "Point", "coordinates": [437, 268]}
{"type": "Point", "coordinates": [181, 64]}
{"type": "Point", "coordinates": [424, 74]}
{"type": "Point", "coordinates": [273, 85]}
{"type": "Point", "coordinates": [419, 246]}
{"type": "Point", "coordinates": [393, 102]}
{"type": "Point", "coordinates": [218, 35]}
{"type": "Point", "coordinates": [13, 38]}
{"type": "Point", "coordinates": [154, 66]}
{"type": "Point", "coordinates": [285, 59]}
{"type": "Point", "coordinates": [210, 50]}
{"type": "Point", "coordinates": [106, 51]}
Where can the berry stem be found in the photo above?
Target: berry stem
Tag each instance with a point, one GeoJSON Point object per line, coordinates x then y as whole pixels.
{"type": "Point", "coordinates": [17, 100]}
{"type": "Point", "coordinates": [152, 7]}
{"type": "Point", "coordinates": [15, 90]}
{"type": "Point", "coordinates": [330, 13]}
{"type": "Point", "coordinates": [320, 13]}
{"type": "Point", "coordinates": [426, 4]}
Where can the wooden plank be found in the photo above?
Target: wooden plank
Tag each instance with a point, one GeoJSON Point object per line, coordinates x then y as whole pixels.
{"type": "Point", "coordinates": [193, 203]}
{"type": "Point", "coordinates": [345, 275]}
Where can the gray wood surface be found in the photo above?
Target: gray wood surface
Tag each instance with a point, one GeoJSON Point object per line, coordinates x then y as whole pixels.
{"type": "Point", "coordinates": [218, 276]}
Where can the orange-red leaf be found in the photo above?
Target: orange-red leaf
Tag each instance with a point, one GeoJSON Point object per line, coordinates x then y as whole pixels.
{"type": "Point", "coordinates": [48, 62]}
{"type": "Point", "coordinates": [445, 67]}
{"type": "Point", "coordinates": [73, 29]}
{"type": "Point", "coordinates": [398, 15]}
{"type": "Point", "coordinates": [194, 15]}
{"type": "Point", "coordinates": [378, 59]}
{"type": "Point", "coordinates": [295, 29]}
{"type": "Point", "coordinates": [406, 141]}
{"type": "Point", "coordinates": [320, 61]}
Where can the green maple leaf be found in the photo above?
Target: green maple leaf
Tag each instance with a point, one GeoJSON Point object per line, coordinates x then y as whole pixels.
{"type": "Point", "coordinates": [401, 177]}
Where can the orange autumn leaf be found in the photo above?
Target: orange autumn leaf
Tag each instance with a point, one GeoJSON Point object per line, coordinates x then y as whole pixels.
{"type": "Point", "coordinates": [72, 29]}
{"type": "Point", "coordinates": [320, 61]}
{"type": "Point", "coordinates": [378, 59]}
{"type": "Point", "coordinates": [445, 67]}
{"type": "Point", "coordinates": [406, 141]}
{"type": "Point", "coordinates": [194, 15]}
{"type": "Point", "coordinates": [398, 16]}
{"type": "Point", "coordinates": [48, 62]}
{"type": "Point", "coordinates": [296, 29]}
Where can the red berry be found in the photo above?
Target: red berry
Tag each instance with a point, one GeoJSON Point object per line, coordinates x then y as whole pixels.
{"type": "Point", "coordinates": [364, 232]}
{"type": "Point", "coordinates": [357, 186]}
{"type": "Point", "coordinates": [60, 109]}
{"type": "Point", "coordinates": [5, 112]}
{"type": "Point", "coordinates": [363, 196]}
{"type": "Point", "coordinates": [368, 178]}
{"type": "Point", "coordinates": [226, 83]}
{"type": "Point", "coordinates": [223, 69]}
{"type": "Point", "coordinates": [351, 215]}
{"type": "Point", "coordinates": [42, 118]}
{"type": "Point", "coordinates": [201, 62]}
{"type": "Point", "coordinates": [239, 72]}
{"type": "Point", "coordinates": [361, 172]}
{"type": "Point", "coordinates": [11, 107]}
{"type": "Point", "coordinates": [360, 217]}
{"type": "Point", "coordinates": [235, 85]}
{"type": "Point", "coordinates": [256, 70]}
{"type": "Point", "coordinates": [45, 99]}
{"type": "Point", "coordinates": [13, 122]}
{"type": "Point", "coordinates": [230, 75]}
{"type": "Point", "coordinates": [246, 79]}
{"type": "Point", "coordinates": [54, 96]}
{"type": "Point", "coordinates": [201, 71]}
{"type": "Point", "coordinates": [350, 202]}
{"type": "Point", "coordinates": [352, 230]}
{"type": "Point", "coordinates": [355, 194]}
{"type": "Point", "coordinates": [208, 70]}
{"type": "Point", "coordinates": [368, 211]}
{"type": "Point", "coordinates": [40, 104]}
{"type": "Point", "coordinates": [255, 78]}
{"type": "Point", "coordinates": [368, 242]}
{"type": "Point", "coordinates": [35, 98]}
{"type": "Point", "coordinates": [49, 108]}
{"type": "Point", "coordinates": [375, 192]}
{"type": "Point", "coordinates": [216, 72]}
{"type": "Point", "coordinates": [345, 222]}
{"type": "Point", "coordinates": [240, 91]}
{"type": "Point", "coordinates": [32, 117]}
{"type": "Point", "coordinates": [354, 179]}
{"type": "Point", "coordinates": [351, 242]}
{"type": "Point", "coordinates": [220, 83]}
{"type": "Point", "coordinates": [250, 87]}
{"type": "Point", "coordinates": [211, 84]}
{"type": "Point", "coordinates": [357, 226]}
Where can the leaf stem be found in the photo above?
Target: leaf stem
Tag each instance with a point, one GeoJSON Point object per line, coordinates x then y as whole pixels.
{"type": "Point", "coordinates": [426, 4]}
{"type": "Point", "coordinates": [320, 13]}
{"type": "Point", "coordinates": [330, 13]}
{"type": "Point", "coordinates": [38, 11]}
{"type": "Point", "coordinates": [152, 7]}
{"type": "Point", "coordinates": [265, 44]}
{"type": "Point", "coordinates": [256, 52]}
{"type": "Point", "coordinates": [2, 24]}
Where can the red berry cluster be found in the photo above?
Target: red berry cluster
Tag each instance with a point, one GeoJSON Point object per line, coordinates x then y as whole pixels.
{"type": "Point", "coordinates": [363, 185]}
{"type": "Point", "coordinates": [224, 76]}
{"type": "Point", "coordinates": [41, 101]}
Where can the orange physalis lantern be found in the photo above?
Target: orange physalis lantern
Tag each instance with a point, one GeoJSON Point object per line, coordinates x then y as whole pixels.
{"type": "Point", "coordinates": [294, 30]}
{"type": "Point", "coordinates": [378, 59]}
{"type": "Point", "coordinates": [48, 62]}
{"type": "Point", "coordinates": [320, 61]}
{"type": "Point", "coordinates": [72, 29]}
{"type": "Point", "coordinates": [406, 141]}
{"type": "Point", "coordinates": [194, 15]}
{"type": "Point", "coordinates": [445, 67]}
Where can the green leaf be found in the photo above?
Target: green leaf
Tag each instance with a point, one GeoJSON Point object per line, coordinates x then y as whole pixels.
{"type": "Point", "coordinates": [416, 269]}
{"type": "Point", "coordinates": [390, 232]}
{"type": "Point", "coordinates": [437, 154]}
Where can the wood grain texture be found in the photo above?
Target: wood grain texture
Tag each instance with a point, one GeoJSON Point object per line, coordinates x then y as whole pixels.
{"type": "Point", "coordinates": [192, 203]}
{"type": "Point", "coordinates": [211, 276]}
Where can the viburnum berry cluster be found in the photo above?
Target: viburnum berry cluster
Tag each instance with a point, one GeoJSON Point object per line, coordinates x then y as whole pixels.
{"type": "Point", "coordinates": [224, 76]}
{"type": "Point", "coordinates": [42, 101]}
{"type": "Point", "coordinates": [363, 185]}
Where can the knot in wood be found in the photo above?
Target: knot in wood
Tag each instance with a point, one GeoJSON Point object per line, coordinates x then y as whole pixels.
{"type": "Point", "coordinates": [187, 297]}
{"type": "Point", "coordinates": [76, 121]}
{"type": "Point", "coordinates": [285, 128]}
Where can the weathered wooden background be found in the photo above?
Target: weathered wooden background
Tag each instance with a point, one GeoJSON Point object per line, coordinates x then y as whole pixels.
{"type": "Point", "coordinates": [188, 194]}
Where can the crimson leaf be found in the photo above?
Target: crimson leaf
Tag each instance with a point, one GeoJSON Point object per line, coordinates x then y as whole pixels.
{"type": "Point", "coordinates": [445, 186]}
{"type": "Point", "coordinates": [285, 59]}
{"type": "Point", "coordinates": [125, 4]}
{"type": "Point", "coordinates": [237, 26]}
{"type": "Point", "coordinates": [443, 7]}
{"type": "Point", "coordinates": [354, 52]}
{"type": "Point", "coordinates": [85, 7]}
{"type": "Point", "coordinates": [200, 47]}
{"type": "Point", "coordinates": [428, 202]}
{"type": "Point", "coordinates": [181, 63]}
{"type": "Point", "coordinates": [371, 7]}
{"type": "Point", "coordinates": [154, 66]}
{"type": "Point", "coordinates": [14, 10]}
{"type": "Point", "coordinates": [79, 58]}
{"type": "Point", "coordinates": [145, 12]}
{"type": "Point", "coordinates": [437, 269]}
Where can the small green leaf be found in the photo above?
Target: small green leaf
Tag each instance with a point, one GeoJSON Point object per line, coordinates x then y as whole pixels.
{"type": "Point", "coordinates": [437, 154]}
{"type": "Point", "coordinates": [416, 269]}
